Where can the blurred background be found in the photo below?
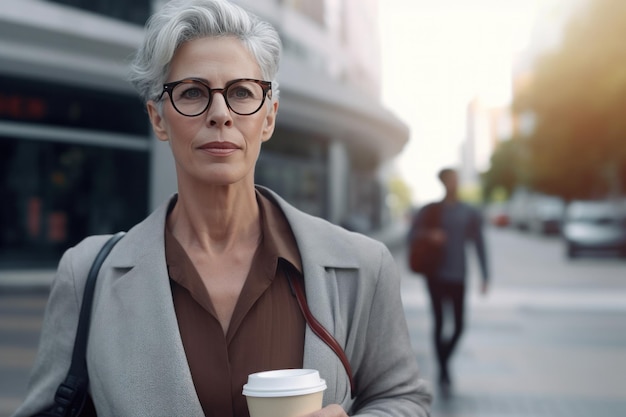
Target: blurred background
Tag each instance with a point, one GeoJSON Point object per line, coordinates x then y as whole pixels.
{"type": "Point", "coordinates": [526, 98]}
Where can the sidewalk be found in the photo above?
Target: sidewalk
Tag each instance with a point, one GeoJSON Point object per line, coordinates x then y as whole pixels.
{"type": "Point", "coordinates": [530, 363]}
{"type": "Point", "coordinates": [528, 353]}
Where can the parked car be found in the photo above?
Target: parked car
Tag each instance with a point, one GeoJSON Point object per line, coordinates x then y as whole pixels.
{"type": "Point", "coordinates": [519, 208]}
{"type": "Point", "coordinates": [497, 214]}
{"type": "Point", "coordinates": [594, 225]}
{"type": "Point", "coordinates": [536, 212]}
{"type": "Point", "coordinates": [546, 214]}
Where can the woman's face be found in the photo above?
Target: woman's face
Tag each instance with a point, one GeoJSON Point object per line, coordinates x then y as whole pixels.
{"type": "Point", "coordinates": [218, 147]}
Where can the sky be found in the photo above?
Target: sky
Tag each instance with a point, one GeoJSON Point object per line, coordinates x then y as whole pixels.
{"type": "Point", "coordinates": [437, 55]}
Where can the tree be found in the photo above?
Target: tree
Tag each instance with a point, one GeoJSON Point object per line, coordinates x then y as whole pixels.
{"type": "Point", "coordinates": [507, 169]}
{"type": "Point", "coordinates": [399, 196]}
{"type": "Point", "coordinates": [578, 98]}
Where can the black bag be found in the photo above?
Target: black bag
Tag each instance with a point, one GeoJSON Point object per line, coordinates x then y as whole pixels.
{"type": "Point", "coordinates": [72, 398]}
{"type": "Point", "coordinates": [424, 256]}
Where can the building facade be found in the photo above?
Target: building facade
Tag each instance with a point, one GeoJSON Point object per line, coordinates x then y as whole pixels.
{"type": "Point", "coordinates": [77, 153]}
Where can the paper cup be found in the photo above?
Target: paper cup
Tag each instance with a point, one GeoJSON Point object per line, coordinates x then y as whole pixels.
{"type": "Point", "coordinates": [284, 392]}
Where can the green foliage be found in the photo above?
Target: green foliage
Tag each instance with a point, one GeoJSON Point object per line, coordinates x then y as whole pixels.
{"type": "Point", "coordinates": [578, 97]}
{"type": "Point", "coordinates": [399, 196]}
{"type": "Point", "coordinates": [508, 169]}
{"type": "Point", "coordinates": [470, 194]}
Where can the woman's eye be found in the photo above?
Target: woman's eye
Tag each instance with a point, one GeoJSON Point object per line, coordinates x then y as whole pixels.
{"type": "Point", "coordinates": [239, 92]}
{"type": "Point", "coordinates": [192, 93]}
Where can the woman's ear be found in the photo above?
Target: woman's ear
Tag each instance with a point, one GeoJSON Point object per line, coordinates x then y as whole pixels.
{"type": "Point", "coordinates": [157, 121]}
{"type": "Point", "coordinates": [270, 121]}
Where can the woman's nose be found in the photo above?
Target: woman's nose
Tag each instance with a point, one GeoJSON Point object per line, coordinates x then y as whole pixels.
{"type": "Point", "coordinates": [218, 113]}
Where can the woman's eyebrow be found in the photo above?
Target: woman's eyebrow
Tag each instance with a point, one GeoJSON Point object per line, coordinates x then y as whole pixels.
{"type": "Point", "coordinates": [207, 82]}
{"type": "Point", "coordinates": [204, 80]}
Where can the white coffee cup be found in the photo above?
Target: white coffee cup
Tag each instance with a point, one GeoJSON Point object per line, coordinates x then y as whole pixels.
{"type": "Point", "coordinates": [284, 392]}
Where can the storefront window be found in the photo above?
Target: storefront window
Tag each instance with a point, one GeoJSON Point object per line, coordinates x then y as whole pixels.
{"type": "Point", "coordinates": [56, 194]}
{"type": "Point", "coordinates": [42, 103]}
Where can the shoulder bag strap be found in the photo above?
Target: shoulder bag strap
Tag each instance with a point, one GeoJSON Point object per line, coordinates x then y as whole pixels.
{"type": "Point", "coordinates": [298, 289]}
{"type": "Point", "coordinates": [72, 393]}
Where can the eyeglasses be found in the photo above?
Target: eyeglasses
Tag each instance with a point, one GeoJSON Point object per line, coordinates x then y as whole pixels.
{"type": "Point", "coordinates": [192, 97]}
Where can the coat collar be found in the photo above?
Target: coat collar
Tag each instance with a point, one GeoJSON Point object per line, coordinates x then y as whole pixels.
{"type": "Point", "coordinates": [143, 242]}
{"type": "Point", "coordinates": [313, 236]}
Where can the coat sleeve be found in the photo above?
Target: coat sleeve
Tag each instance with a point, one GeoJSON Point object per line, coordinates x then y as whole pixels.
{"type": "Point", "coordinates": [56, 341]}
{"type": "Point", "coordinates": [389, 383]}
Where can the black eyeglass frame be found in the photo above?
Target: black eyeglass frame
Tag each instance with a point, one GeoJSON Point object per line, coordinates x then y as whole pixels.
{"type": "Point", "coordinates": [169, 88]}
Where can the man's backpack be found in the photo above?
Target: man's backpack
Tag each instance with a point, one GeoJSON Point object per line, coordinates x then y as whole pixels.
{"type": "Point", "coordinates": [425, 256]}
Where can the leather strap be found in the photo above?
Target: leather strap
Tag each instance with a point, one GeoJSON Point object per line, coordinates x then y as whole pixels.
{"type": "Point", "coordinates": [79, 363]}
{"type": "Point", "coordinates": [317, 328]}
{"type": "Point", "coordinates": [72, 394]}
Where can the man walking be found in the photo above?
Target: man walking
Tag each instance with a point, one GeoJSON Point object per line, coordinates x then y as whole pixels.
{"type": "Point", "coordinates": [448, 226]}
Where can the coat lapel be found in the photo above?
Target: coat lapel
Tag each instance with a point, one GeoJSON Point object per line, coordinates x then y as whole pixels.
{"type": "Point", "coordinates": [143, 350]}
{"type": "Point", "coordinates": [321, 257]}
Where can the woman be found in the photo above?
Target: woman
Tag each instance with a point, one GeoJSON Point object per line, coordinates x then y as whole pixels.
{"type": "Point", "coordinates": [197, 296]}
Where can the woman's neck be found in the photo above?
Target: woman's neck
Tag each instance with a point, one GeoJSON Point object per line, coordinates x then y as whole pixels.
{"type": "Point", "coordinates": [215, 219]}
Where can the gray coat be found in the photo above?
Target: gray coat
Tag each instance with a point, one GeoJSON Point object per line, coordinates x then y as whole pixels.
{"type": "Point", "coordinates": [136, 360]}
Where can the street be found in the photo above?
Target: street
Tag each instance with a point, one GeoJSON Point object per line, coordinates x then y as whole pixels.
{"type": "Point", "coordinates": [549, 339]}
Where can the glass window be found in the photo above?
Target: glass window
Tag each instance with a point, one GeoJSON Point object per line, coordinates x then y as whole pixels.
{"type": "Point", "coordinates": [56, 194]}
{"type": "Point", "coordinates": [300, 182]}
{"type": "Point", "coordinates": [135, 11]}
{"type": "Point", "coordinates": [39, 102]}
{"type": "Point", "coordinates": [295, 165]}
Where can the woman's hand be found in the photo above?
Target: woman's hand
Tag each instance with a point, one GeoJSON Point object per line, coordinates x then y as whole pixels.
{"type": "Point", "coordinates": [333, 410]}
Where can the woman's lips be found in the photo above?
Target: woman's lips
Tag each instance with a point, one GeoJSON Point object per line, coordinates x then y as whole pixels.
{"type": "Point", "coordinates": [219, 148]}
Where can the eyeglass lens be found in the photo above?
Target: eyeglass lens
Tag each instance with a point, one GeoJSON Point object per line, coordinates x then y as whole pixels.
{"type": "Point", "coordinates": [193, 97]}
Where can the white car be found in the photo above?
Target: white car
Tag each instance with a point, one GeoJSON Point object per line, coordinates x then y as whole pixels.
{"type": "Point", "coordinates": [594, 225]}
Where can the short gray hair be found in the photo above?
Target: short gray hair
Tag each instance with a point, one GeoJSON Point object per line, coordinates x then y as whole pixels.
{"type": "Point", "coordinates": [180, 21]}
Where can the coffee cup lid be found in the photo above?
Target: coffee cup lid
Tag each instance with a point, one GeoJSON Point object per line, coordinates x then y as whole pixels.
{"type": "Point", "coordinates": [284, 383]}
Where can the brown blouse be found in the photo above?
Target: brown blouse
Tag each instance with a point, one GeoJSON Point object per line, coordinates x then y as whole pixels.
{"type": "Point", "coordinates": [267, 327]}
